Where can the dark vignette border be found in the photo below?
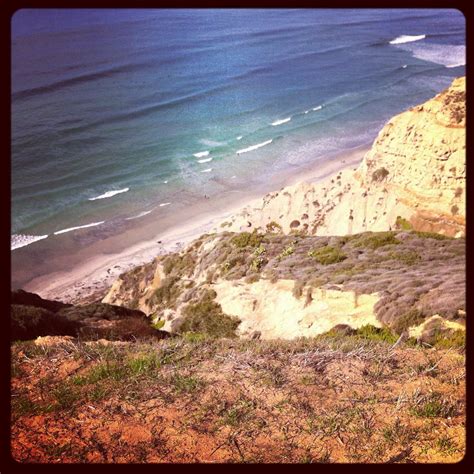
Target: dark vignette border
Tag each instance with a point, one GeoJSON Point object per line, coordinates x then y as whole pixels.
{"type": "Point", "coordinates": [7, 10]}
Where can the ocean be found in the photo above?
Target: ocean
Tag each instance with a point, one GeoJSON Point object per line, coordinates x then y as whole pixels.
{"type": "Point", "coordinates": [128, 119]}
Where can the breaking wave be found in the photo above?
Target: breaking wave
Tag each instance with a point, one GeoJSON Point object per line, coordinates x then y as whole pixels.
{"type": "Point", "coordinates": [109, 194]}
{"type": "Point", "coordinates": [93, 224]}
{"type": "Point", "coordinates": [253, 147]}
{"type": "Point", "coordinates": [22, 240]}
{"type": "Point", "coordinates": [407, 39]}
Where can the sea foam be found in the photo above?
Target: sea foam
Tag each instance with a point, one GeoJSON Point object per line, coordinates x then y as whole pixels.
{"type": "Point", "coordinates": [200, 154]}
{"type": "Point", "coordinates": [109, 194]}
{"type": "Point", "coordinates": [207, 171]}
{"type": "Point", "coordinates": [144, 213]}
{"type": "Point", "coordinates": [163, 204]}
{"type": "Point", "coordinates": [448, 55]}
{"type": "Point", "coordinates": [407, 39]}
{"type": "Point", "coordinates": [22, 240]}
{"type": "Point", "coordinates": [319, 107]}
{"type": "Point", "coordinates": [205, 160]}
{"type": "Point", "coordinates": [93, 224]}
{"type": "Point", "coordinates": [279, 122]}
{"type": "Point", "coordinates": [253, 147]}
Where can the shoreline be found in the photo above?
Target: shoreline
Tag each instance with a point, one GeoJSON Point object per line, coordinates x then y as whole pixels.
{"type": "Point", "coordinates": [89, 280]}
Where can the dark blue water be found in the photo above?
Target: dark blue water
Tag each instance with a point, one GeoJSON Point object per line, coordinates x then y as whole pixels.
{"type": "Point", "coordinates": [122, 100]}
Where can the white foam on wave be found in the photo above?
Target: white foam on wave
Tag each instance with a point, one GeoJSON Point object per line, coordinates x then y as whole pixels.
{"type": "Point", "coordinates": [22, 240]}
{"type": "Point", "coordinates": [165, 182]}
{"type": "Point", "coordinates": [306, 111]}
{"type": "Point", "coordinates": [279, 122]}
{"type": "Point", "coordinates": [205, 160]}
{"type": "Point", "coordinates": [407, 39]}
{"type": "Point", "coordinates": [208, 170]}
{"type": "Point", "coordinates": [253, 147]}
{"type": "Point", "coordinates": [200, 154]}
{"type": "Point", "coordinates": [447, 55]}
{"type": "Point", "coordinates": [93, 224]}
{"type": "Point", "coordinates": [239, 137]}
{"type": "Point", "coordinates": [144, 213]}
{"type": "Point", "coordinates": [163, 204]}
{"type": "Point", "coordinates": [319, 107]}
{"type": "Point", "coordinates": [462, 63]}
{"type": "Point", "coordinates": [109, 194]}
{"type": "Point", "coordinates": [405, 66]}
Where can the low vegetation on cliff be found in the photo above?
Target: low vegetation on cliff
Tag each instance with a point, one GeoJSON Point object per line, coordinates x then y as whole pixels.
{"type": "Point", "coordinates": [402, 267]}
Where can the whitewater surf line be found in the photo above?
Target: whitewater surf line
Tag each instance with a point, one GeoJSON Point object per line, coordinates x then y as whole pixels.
{"type": "Point", "coordinates": [93, 224]}
{"type": "Point", "coordinates": [253, 147]}
{"type": "Point", "coordinates": [109, 194]}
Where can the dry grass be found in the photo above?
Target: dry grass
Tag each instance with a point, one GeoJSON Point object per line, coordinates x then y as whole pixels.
{"type": "Point", "coordinates": [329, 399]}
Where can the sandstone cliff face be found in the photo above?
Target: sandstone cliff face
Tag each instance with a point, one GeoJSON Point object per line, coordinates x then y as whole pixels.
{"type": "Point", "coordinates": [271, 311]}
{"type": "Point", "coordinates": [415, 170]}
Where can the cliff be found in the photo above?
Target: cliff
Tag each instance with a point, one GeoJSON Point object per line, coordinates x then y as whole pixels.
{"type": "Point", "coordinates": [361, 313]}
{"type": "Point", "coordinates": [414, 176]}
{"type": "Point", "coordinates": [286, 286]}
{"type": "Point", "coordinates": [287, 279]}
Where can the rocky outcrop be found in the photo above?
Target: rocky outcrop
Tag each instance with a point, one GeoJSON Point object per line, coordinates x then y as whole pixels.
{"type": "Point", "coordinates": [32, 316]}
{"type": "Point", "coordinates": [21, 297]}
{"type": "Point", "coordinates": [413, 177]}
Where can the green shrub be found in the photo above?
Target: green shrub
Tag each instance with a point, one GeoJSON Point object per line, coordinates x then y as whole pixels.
{"type": "Point", "coordinates": [257, 263]}
{"type": "Point", "coordinates": [450, 339]}
{"type": "Point", "coordinates": [407, 258]}
{"type": "Point", "coordinates": [159, 324]}
{"type": "Point", "coordinates": [194, 336]}
{"type": "Point", "coordinates": [403, 224]}
{"type": "Point", "coordinates": [414, 317]}
{"type": "Point", "coordinates": [273, 226]}
{"type": "Point", "coordinates": [206, 317]}
{"type": "Point", "coordinates": [247, 239]}
{"type": "Point", "coordinates": [431, 235]}
{"type": "Point", "coordinates": [287, 251]}
{"type": "Point", "coordinates": [376, 334]}
{"type": "Point", "coordinates": [169, 263]}
{"type": "Point", "coordinates": [377, 240]}
{"type": "Point", "coordinates": [327, 255]}
{"type": "Point", "coordinates": [168, 292]}
{"type": "Point", "coordinates": [178, 265]}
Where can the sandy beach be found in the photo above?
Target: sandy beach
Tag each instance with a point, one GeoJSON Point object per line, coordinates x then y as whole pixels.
{"type": "Point", "coordinates": [89, 280]}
